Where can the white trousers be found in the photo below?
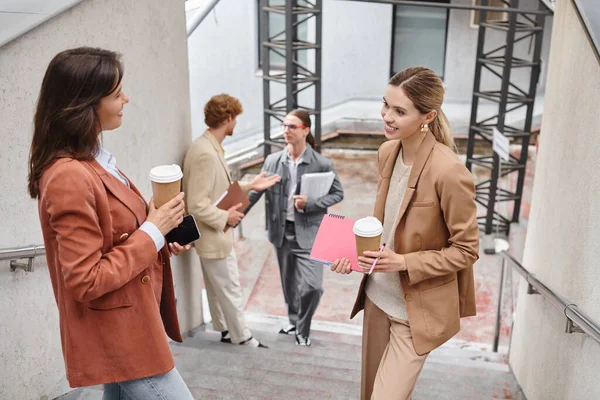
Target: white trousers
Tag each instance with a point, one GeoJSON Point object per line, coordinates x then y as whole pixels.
{"type": "Point", "coordinates": [225, 298]}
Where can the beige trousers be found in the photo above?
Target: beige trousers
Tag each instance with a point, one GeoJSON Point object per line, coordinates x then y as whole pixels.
{"type": "Point", "coordinates": [225, 297]}
{"type": "Point", "coordinates": [390, 366]}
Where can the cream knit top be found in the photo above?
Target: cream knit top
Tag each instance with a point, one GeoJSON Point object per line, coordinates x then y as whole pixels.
{"type": "Point", "coordinates": [383, 288]}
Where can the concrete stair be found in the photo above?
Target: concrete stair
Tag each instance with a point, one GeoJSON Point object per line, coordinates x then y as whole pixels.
{"type": "Point", "coordinates": [329, 369]}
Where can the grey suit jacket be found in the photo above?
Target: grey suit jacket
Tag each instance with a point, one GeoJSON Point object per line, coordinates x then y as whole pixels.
{"type": "Point", "coordinates": [307, 222]}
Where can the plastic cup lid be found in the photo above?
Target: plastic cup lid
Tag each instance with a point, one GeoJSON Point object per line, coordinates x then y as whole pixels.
{"type": "Point", "coordinates": [368, 227]}
{"type": "Point", "coordinates": [166, 173]}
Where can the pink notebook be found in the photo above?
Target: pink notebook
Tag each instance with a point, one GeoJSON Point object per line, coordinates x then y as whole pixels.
{"type": "Point", "coordinates": [335, 240]}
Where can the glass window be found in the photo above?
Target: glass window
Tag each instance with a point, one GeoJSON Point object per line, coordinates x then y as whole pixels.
{"type": "Point", "coordinates": [491, 16]}
{"type": "Point", "coordinates": [419, 37]}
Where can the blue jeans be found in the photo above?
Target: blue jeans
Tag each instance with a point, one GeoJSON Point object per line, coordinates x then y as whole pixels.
{"type": "Point", "coordinates": [169, 386]}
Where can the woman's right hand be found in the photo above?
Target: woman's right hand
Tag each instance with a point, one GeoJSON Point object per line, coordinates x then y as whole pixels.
{"type": "Point", "coordinates": [341, 266]}
{"type": "Point", "coordinates": [169, 216]}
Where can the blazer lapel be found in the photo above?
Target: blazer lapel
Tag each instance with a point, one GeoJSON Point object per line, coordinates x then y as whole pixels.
{"type": "Point", "coordinates": [307, 158]}
{"type": "Point", "coordinates": [129, 197]}
{"type": "Point", "coordinates": [284, 173]}
{"type": "Point", "coordinates": [385, 173]}
{"type": "Point", "coordinates": [141, 214]}
{"type": "Point", "coordinates": [217, 146]}
{"type": "Point", "coordinates": [415, 173]}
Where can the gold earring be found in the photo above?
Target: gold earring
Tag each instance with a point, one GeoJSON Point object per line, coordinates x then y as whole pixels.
{"type": "Point", "coordinates": [424, 128]}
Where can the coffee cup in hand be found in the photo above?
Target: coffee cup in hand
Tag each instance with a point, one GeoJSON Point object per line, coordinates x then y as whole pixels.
{"type": "Point", "coordinates": [368, 232]}
{"type": "Point", "coordinates": [166, 183]}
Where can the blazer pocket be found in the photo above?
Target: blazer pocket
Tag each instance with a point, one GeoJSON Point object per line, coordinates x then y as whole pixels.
{"type": "Point", "coordinates": [110, 301]}
{"type": "Point", "coordinates": [421, 204]}
{"type": "Point", "coordinates": [439, 306]}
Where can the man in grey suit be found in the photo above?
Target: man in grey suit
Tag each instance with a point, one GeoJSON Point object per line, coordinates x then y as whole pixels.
{"type": "Point", "coordinates": [293, 221]}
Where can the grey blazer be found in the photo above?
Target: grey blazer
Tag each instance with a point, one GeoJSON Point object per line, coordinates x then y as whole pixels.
{"type": "Point", "coordinates": [307, 222]}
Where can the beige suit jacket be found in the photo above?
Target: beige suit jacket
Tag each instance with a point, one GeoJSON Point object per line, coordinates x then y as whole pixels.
{"type": "Point", "coordinates": [205, 178]}
{"type": "Point", "coordinates": [438, 235]}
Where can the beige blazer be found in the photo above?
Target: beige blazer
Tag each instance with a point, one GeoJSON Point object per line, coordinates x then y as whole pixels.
{"type": "Point", "coordinates": [205, 178]}
{"type": "Point", "coordinates": [438, 235]}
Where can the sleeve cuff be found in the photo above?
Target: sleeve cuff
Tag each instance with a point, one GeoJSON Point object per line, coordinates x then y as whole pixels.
{"type": "Point", "coordinates": [414, 276]}
{"type": "Point", "coordinates": [154, 233]}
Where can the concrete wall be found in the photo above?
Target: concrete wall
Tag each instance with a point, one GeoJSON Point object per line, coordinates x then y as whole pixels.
{"type": "Point", "coordinates": [156, 129]}
{"type": "Point", "coordinates": [562, 247]}
{"type": "Point", "coordinates": [357, 40]}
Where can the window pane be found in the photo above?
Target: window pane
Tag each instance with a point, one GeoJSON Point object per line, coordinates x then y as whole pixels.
{"type": "Point", "coordinates": [419, 38]}
{"type": "Point", "coordinates": [492, 15]}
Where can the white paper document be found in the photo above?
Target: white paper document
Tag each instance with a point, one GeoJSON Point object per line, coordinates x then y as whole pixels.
{"type": "Point", "coordinates": [317, 184]}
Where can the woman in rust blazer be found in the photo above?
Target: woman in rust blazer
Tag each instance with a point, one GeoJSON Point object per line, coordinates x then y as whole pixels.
{"type": "Point", "coordinates": [423, 282]}
{"type": "Point", "coordinates": [105, 249]}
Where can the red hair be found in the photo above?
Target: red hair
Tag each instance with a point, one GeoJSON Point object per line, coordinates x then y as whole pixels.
{"type": "Point", "coordinates": [220, 108]}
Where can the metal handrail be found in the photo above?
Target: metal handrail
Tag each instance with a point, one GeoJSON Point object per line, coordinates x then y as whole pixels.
{"type": "Point", "coordinates": [577, 320]}
{"type": "Point", "coordinates": [17, 253]}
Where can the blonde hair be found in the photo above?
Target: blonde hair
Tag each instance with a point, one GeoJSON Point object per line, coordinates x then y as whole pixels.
{"type": "Point", "coordinates": [425, 89]}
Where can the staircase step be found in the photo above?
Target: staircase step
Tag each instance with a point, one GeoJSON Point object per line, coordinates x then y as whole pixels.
{"type": "Point", "coordinates": [253, 371]}
{"type": "Point", "coordinates": [286, 345]}
{"type": "Point", "coordinates": [468, 358]}
{"type": "Point", "coordinates": [225, 359]}
{"type": "Point", "coordinates": [329, 369]}
{"type": "Point", "coordinates": [450, 382]}
{"type": "Point", "coordinates": [304, 355]}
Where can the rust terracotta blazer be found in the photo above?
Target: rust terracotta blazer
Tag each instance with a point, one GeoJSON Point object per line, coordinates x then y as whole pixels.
{"type": "Point", "coordinates": [439, 237]}
{"type": "Point", "coordinates": [114, 292]}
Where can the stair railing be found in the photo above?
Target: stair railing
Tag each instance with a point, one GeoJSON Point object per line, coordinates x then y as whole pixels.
{"type": "Point", "coordinates": [577, 321]}
{"type": "Point", "coordinates": [19, 253]}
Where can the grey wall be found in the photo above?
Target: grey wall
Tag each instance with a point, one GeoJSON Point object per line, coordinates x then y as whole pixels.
{"type": "Point", "coordinates": [561, 246]}
{"type": "Point", "coordinates": [156, 129]}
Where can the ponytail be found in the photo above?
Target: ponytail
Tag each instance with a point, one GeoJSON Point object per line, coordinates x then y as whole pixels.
{"type": "Point", "coordinates": [440, 127]}
{"type": "Point", "coordinates": [310, 139]}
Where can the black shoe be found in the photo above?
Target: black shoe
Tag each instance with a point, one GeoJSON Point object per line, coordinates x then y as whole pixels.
{"type": "Point", "coordinates": [253, 343]}
{"type": "Point", "coordinates": [288, 330]}
{"type": "Point", "coordinates": [225, 338]}
{"type": "Point", "coordinates": [302, 340]}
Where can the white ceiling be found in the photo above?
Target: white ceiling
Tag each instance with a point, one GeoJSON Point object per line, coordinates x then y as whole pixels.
{"type": "Point", "coordinates": [20, 16]}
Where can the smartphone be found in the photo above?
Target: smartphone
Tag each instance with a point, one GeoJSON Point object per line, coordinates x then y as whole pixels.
{"type": "Point", "coordinates": [187, 232]}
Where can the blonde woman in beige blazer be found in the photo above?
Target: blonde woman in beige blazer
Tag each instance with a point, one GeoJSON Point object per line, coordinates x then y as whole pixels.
{"type": "Point", "coordinates": [422, 283]}
{"type": "Point", "coordinates": [206, 177]}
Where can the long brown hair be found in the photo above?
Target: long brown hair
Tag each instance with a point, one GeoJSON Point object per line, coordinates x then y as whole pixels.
{"type": "Point", "coordinates": [426, 90]}
{"type": "Point", "coordinates": [66, 123]}
{"type": "Point", "coordinates": [304, 116]}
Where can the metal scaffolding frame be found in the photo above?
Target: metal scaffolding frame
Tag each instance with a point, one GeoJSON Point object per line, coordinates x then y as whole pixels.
{"type": "Point", "coordinates": [296, 77]}
{"type": "Point", "coordinates": [500, 61]}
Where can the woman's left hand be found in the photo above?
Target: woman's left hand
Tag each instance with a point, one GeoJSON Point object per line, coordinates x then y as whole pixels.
{"type": "Point", "coordinates": [388, 261]}
{"type": "Point", "coordinates": [176, 249]}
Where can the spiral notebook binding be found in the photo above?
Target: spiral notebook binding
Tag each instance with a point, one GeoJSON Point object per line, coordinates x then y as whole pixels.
{"type": "Point", "coordinates": [337, 216]}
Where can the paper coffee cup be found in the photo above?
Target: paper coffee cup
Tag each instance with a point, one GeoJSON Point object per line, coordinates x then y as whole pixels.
{"type": "Point", "coordinates": [368, 232]}
{"type": "Point", "coordinates": [166, 183]}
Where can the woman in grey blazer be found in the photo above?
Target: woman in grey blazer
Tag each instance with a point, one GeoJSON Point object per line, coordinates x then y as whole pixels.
{"type": "Point", "coordinates": [293, 221]}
